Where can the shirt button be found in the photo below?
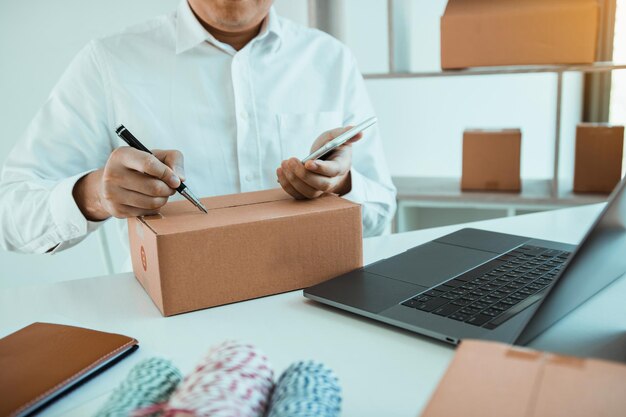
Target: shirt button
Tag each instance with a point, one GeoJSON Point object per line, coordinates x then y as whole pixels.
{"type": "Point", "coordinates": [243, 116]}
{"type": "Point", "coordinates": [249, 177]}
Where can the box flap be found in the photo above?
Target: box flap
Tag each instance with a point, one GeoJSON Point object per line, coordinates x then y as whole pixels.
{"type": "Point", "coordinates": [489, 379]}
{"type": "Point", "coordinates": [181, 216]}
{"type": "Point", "coordinates": [576, 387]}
{"type": "Point", "coordinates": [472, 385]}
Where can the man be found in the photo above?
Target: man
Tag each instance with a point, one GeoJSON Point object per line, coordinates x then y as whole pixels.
{"type": "Point", "coordinates": [237, 90]}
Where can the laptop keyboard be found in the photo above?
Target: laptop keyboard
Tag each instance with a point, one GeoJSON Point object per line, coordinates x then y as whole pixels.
{"type": "Point", "coordinates": [492, 293]}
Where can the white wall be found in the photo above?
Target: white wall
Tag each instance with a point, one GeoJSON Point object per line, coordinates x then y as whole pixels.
{"type": "Point", "coordinates": [418, 20]}
{"type": "Point", "coordinates": [365, 31]}
{"type": "Point", "coordinates": [421, 120]}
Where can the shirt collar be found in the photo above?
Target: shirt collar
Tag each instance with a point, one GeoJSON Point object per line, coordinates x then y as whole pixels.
{"type": "Point", "coordinates": [190, 32]}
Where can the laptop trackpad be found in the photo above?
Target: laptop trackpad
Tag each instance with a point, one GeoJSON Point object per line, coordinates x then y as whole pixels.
{"type": "Point", "coordinates": [430, 264]}
{"type": "Point", "coordinates": [364, 291]}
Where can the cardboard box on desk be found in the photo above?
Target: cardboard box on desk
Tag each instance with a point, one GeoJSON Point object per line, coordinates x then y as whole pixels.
{"type": "Point", "coordinates": [598, 161]}
{"type": "Point", "coordinates": [476, 33]}
{"type": "Point", "coordinates": [491, 160]}
{"type": "Point", "coordinates": [249, 245]}
{"type": "Point", "coordinates": [488, 379]}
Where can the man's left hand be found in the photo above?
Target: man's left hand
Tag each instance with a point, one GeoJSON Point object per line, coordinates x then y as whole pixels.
{"type": "Point", "coordinates": [314, 178]}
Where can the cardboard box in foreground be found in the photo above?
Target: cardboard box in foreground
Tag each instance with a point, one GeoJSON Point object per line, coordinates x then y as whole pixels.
{"type": "Point", "coordinates": [249, 245]}
{"type": "Point", "coordinates": [598, 161]}
{"type": "Point", "coordinates": [491, 160]}
{"type": "Point", "coordinates": [477, 33]}
{"type": "Point", "coordinates": [488, 379]}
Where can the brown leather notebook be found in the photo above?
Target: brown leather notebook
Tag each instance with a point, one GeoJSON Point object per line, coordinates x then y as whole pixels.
{"type": "Point", "coordinates": [43, 361]}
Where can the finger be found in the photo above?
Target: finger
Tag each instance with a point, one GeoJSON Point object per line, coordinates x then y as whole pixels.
{"type": "Point", "coordinates": [354, 139]}
{"type": "Point", "coordinates": [173, 159]}
{"type": "Point", "coordinates": [332, 134]}
{"type": "Point", "coordinates": [287, 186]}
{"type": "Point", "coordinates": [140, 201]}
{"type": "Point", "coordinates": [122, 211]}
{"type": "Point", "coordinates": [149, 164]}
{"type": "Point", "coordinates": [315, 181]}
{"type": "Point", "coordinates": [329, 168]}
{"type": "Point", "coordinates": [300, 186]}
{"type": "Point", "coordinates": [328, 136]}
{"type": "Point", "coordinates": [145, 184]}
{"type": "Point", "coordinates": [346, 145]}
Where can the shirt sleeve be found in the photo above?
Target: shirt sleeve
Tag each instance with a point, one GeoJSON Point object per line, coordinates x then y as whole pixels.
{"type": "Point", "coordinates": [371, 182]}
{"type": "Point", "coordinates": [67, 139]}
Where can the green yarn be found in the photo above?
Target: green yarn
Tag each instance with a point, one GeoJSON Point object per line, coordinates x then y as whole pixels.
{"type": "Point", "coordinates": [306, 389]}
{"type": "Point", "coordinates": [150, 382]}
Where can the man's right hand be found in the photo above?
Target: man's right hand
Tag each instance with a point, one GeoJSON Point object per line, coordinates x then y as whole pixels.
{"type": "Point", "coordinates": [132, 183]}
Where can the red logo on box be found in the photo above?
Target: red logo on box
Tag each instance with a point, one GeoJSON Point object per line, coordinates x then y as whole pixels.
{"type": "Point", "coordinates": [144, 260]}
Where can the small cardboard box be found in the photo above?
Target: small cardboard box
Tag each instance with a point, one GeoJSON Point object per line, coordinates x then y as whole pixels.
{"type": "Point", "coordinates": [491, 160]}
{"type": "Point", "coordinates": [598, 161]}
{"type": "Point", "coordinates": [249, 245]}
{"type": "Point", "coordinates": [488, 379]}
{"type": "Point", "coordinates": [476, 33]}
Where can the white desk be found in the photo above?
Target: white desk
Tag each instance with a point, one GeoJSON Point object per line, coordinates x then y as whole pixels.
{"type": "Point", "coordinates": [384, 371]}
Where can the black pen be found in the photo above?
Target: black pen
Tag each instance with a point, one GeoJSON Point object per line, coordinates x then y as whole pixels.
{"type": "Point", "coordinates": [133, 142]}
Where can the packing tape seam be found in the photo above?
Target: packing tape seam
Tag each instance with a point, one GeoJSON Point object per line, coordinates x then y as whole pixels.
{"type": "Point", "coordinates": [352, 207]}
{"type": "Point", "coordinates": [226, 207]}
{"type": "Point", "coordinates": [241, 205]}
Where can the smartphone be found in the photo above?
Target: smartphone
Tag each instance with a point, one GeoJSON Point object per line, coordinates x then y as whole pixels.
{"type": "Point", "coordinates": [340, 140]}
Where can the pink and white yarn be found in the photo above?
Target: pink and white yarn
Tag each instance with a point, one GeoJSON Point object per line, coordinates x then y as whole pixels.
{"type": "Point", "coordinates": [233, 380]}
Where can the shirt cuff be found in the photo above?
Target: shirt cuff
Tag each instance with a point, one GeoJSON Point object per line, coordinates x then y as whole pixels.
{"type": "Point", "coordinates": [358, 190]}
{"type": "Point", "coordinates": [69, 220]}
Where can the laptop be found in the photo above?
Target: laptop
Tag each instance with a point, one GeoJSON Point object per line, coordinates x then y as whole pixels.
{"type": "Point", "coordinates": [485, 285]}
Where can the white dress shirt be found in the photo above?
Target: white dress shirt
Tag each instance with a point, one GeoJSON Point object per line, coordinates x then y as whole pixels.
{"type": "Point", "coordinates": [235, 115]}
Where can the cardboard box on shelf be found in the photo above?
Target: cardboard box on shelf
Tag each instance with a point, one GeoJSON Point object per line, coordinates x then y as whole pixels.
{"type": "Point", "coordinates": [249, 245]}
{"type": "Point", "coordinates": [489, 379]}
{"type": "Point", "coordinates": [598, 161]}
{"type": "Point", "coordinates": [491, 160]}
{"type": "Point", "coordinates": [477, 33]}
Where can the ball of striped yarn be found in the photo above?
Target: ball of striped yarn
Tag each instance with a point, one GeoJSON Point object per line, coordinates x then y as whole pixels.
{"type": "Point", "coordinates": [306, 389]}
{"type": "Point", "coordinates": [233, 380]}
{"type": "Point", "coordinates": [150, 382]}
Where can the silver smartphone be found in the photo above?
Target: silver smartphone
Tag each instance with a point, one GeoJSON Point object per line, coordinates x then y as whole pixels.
{"type": "Point", "coordinates": [340, 140]}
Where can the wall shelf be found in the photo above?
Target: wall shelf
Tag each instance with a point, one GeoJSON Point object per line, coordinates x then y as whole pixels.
{"type": "Point", "coordinates": [557, 70]}
{"type": "Point", "coordinates": [534, 193]}
{"type": "Point", "coordinates": [518, 69]}
{"type": "Point", "coordinates": [441, 193]}
{"type": "Point", "coordinates": [432, 194]}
